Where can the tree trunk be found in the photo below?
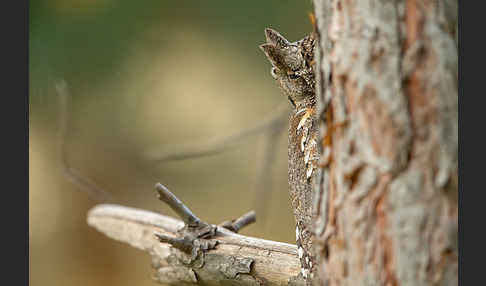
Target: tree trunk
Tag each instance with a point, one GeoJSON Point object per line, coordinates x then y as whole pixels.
{"type": "Point", "coordinates": [387, 95]}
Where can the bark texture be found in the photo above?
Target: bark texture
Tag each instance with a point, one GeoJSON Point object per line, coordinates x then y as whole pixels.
{"type": "Point", "coordinates": [387, 94]}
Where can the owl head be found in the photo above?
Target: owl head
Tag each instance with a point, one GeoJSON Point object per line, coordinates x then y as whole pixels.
{"type": "Point", "coordinates": [290, 65]}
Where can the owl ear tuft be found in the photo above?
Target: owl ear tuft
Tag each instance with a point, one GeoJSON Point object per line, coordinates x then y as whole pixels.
{"type": "Point", "coordinates": [273, 37]}
{"type": "Point", "coordinates": [273, 54]}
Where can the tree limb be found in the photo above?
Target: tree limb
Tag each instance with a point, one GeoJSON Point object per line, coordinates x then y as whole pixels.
{"type": "Point", "coordinates": [236, 260]}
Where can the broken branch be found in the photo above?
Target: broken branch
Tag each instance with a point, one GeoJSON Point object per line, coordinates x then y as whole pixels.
{"type": "Point", "coordinates": [241, 222]}
{"type": "Point", "coordinates": [176, 205]}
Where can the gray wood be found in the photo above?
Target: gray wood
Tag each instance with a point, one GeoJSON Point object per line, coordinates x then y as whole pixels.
{"type": "Point", "coordinates": [237, 259]}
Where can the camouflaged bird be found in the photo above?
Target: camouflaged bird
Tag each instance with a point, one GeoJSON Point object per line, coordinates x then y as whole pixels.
{"type": "Point", "coordinates": [293, 69]}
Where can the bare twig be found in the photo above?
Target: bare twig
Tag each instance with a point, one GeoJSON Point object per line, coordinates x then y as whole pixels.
{"type": "Point", "coordinates": [239, 223]}
{"type": "Point", "coordinates": [271, 127]}
{"type": "Point", "coordinates": [236, 259]}
{"type": "Point", "coordinates": [244, 220]}
{"type": "Point", "coordinates": [194, 237]}
{"type": "Point", "coordinates": [176, 205]}
{"type": "Point", "coordinates": [181, 243]}
{"type": "Point", "coordinates": [70, 173]}
{"type": "Point", "coordinates": [275, 121]}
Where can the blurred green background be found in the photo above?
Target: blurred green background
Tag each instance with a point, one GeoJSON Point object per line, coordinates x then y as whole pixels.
{"type": "Point", "coordinates": [149, 76]}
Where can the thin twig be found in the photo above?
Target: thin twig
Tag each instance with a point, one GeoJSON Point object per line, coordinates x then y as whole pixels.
{"type": "Point", "coordinates": [239, 223]}
{"type": "Point", "coordinates": [244, 220]}
{"type": "Point", "coordinates": [177, 205]}
{"type": "Point", "coordinates": [178, 242]}
{"type": "Point", "coordinates": [275, 121]}
{"type": "Point", "coordinates": [70, 173]}
{"type": "Point", "coordinates": [271, 127]}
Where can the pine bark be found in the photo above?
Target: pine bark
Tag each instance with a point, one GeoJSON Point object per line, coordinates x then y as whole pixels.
{"type": "Point", "coordinates": [387, 74]}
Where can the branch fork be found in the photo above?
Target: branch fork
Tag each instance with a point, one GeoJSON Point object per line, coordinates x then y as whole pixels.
{"type": "Point", "coordinates": [195, 237]}
{"type": "Point", "coordinates": [194, 252]}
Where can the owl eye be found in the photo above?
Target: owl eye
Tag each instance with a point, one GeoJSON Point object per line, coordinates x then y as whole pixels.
{"type": "Point", "coordinates": [274, 72]}
{"type": "Point", "coordinates": [293, 76]}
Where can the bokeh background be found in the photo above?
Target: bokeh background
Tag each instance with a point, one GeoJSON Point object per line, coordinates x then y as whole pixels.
{"type": "Point", "coordinates": [146, 77]}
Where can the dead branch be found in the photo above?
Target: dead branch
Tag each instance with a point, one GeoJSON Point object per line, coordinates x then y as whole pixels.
{"type": "Point", "coordinates": [236, 260]}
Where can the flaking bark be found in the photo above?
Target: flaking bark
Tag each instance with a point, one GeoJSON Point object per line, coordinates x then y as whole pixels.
{"type": "Point", "coordinates": [387, 96]}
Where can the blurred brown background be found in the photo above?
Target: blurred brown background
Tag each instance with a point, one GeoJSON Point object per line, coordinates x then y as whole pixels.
{"type": "Point", "coordinates": [149, 76]}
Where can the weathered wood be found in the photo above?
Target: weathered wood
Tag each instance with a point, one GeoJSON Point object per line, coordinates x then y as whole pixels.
{"type": "Point", "coordinates": [387, 89]}
{"type": "Point", "coordinates": [237, 259]}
